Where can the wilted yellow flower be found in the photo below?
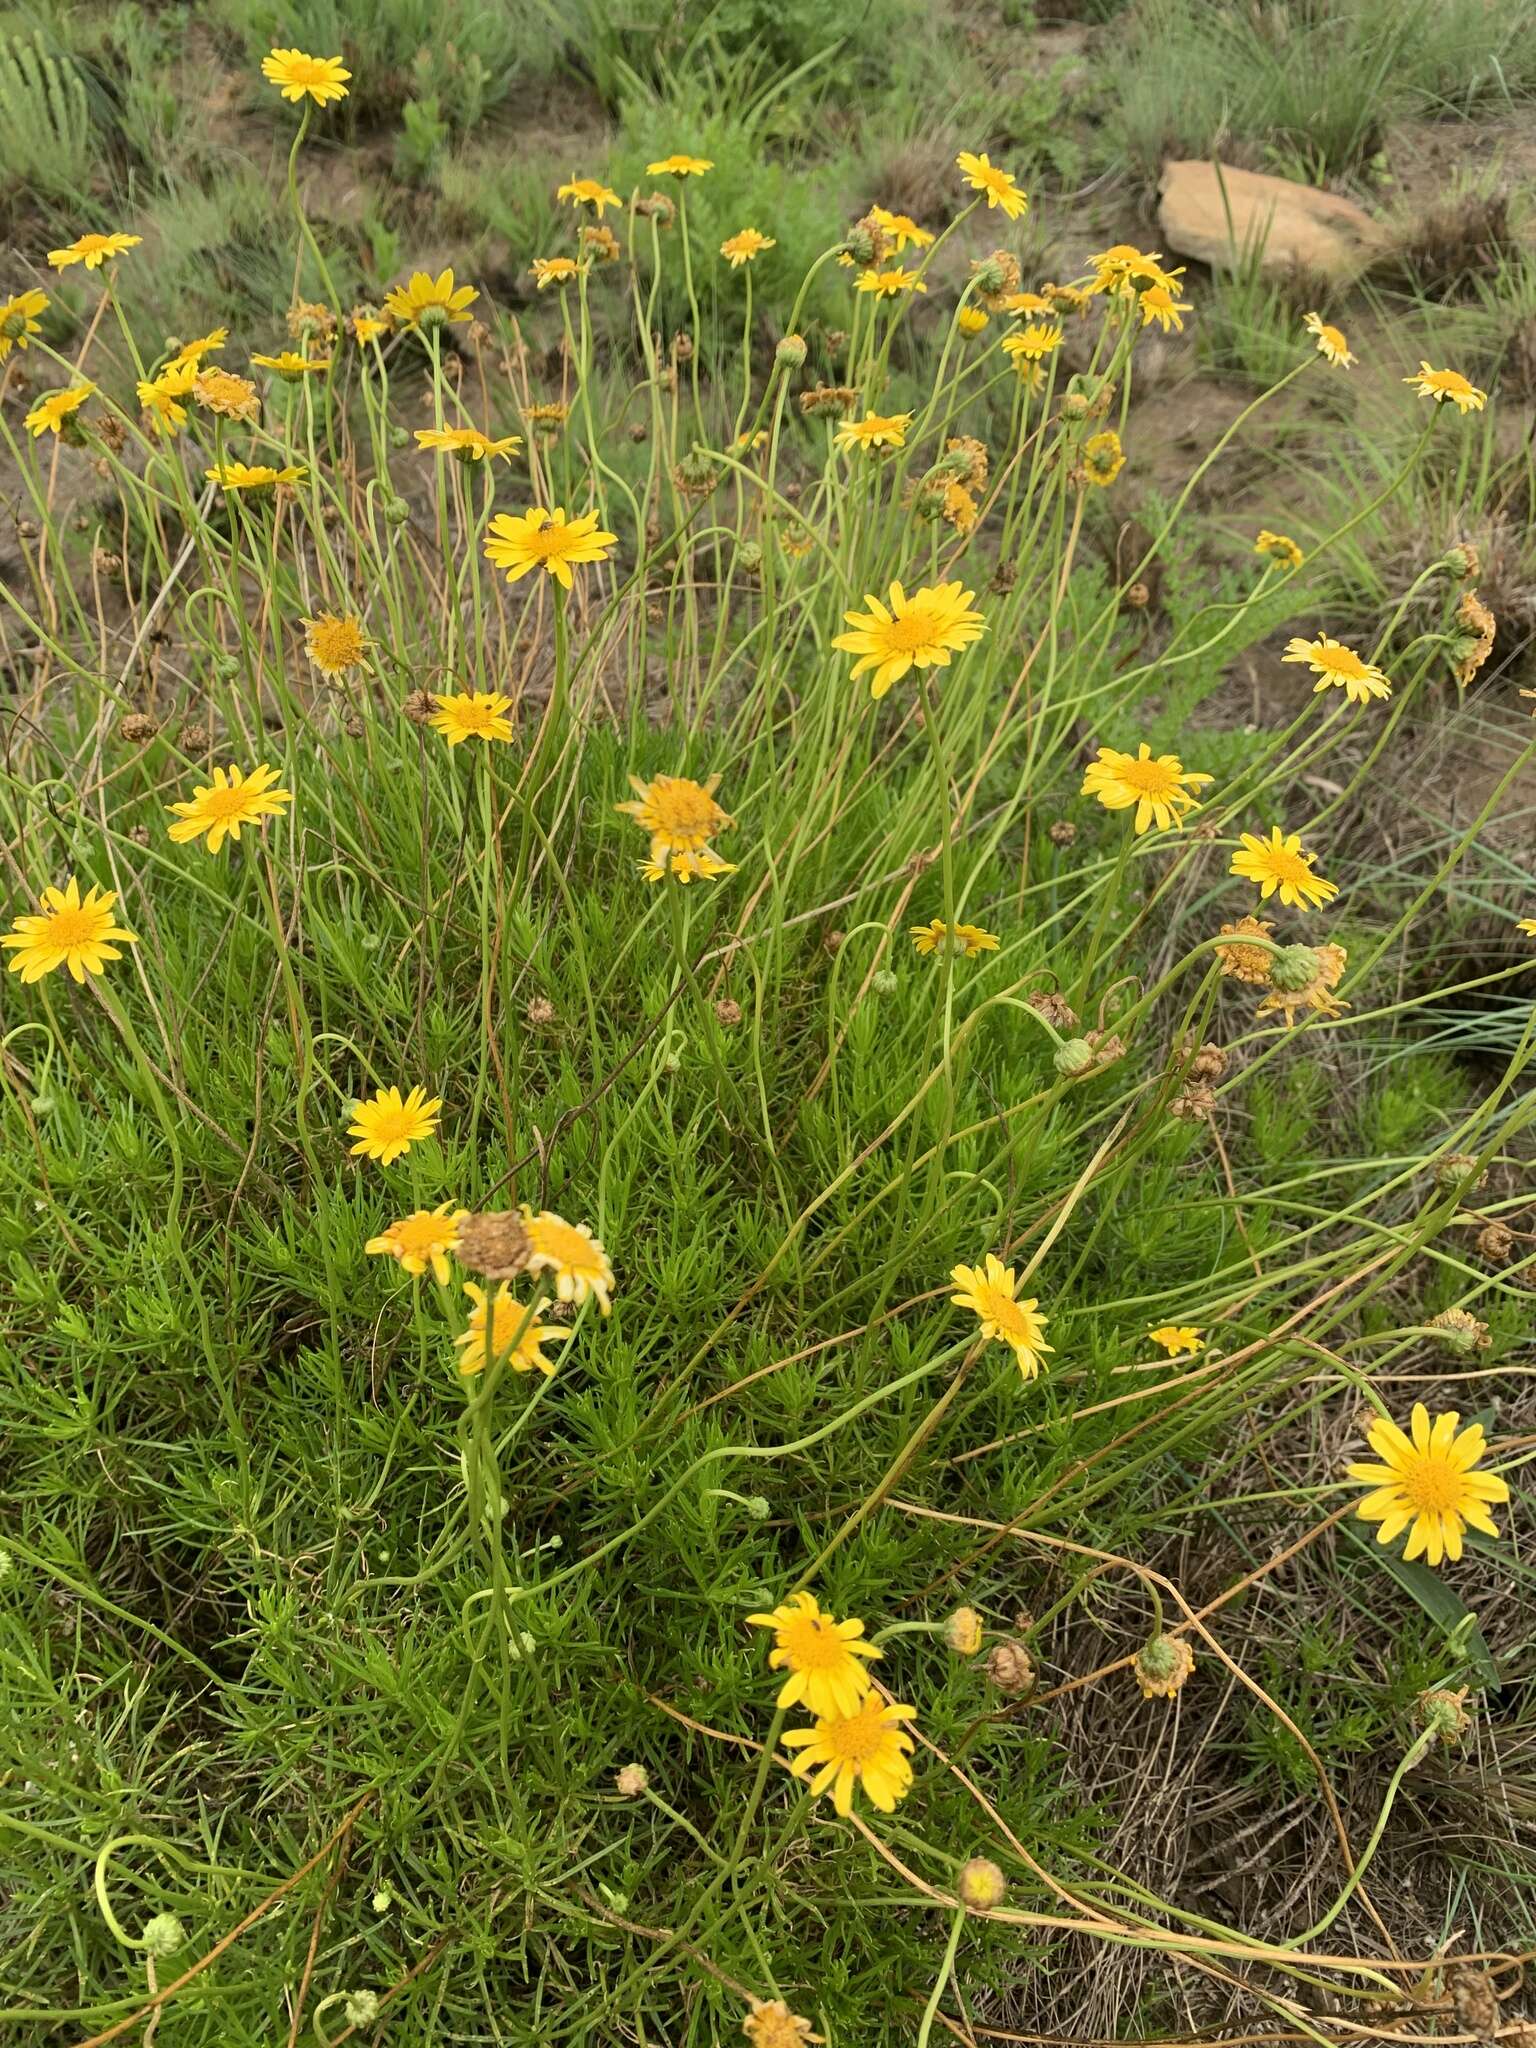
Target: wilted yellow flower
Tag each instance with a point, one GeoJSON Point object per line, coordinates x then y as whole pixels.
{"type": "Point", "coordinates": [1426, 1484]}
{"type": "Point", "coordinates": [1304, 978]}
{"type": "Point", "coordinates": [990, 1293]}
{"type": "Point", "coordinates": [588, 192]}
{"type": "Point", "coordinates": [743, 246]}
{"type": "Point", "coordinates": [20, 319]}
{"type": "Point", "coordinates": [867, 1748]}
{"type": "Point", "coordinates": [820, 1653]}
{"type": "Point", "coordinates": [538, 539]}
{"type": "Point", "coordinates": [468, 443]}
{"type": "Point", "coordinates": [1162, 1666]}
{"type": "Point", "coordinates": [232, 397]}
{"type": "Point", "coordinates": [422, 1239]}
{"type": "Point", "coordinates": [70, 931]}
{"type": "Point", "coordinates": [49, 415]}
{"type": "Point", "coordinates": [298, 75]}
{"type": "Point", "coordinates": [1331, 344]}
{"type": "Point", "coordinates": [480, 1345]}
{"type": "Point", "coordinates": [920, 631]}
{"type": "Point", "coordinates": [999, 188]}
{"type": "Point", "coordinates": [679, 166]}
{"type": "Point", "coordinates": [1279, 547]}
{"type": "Point", "coordinates": [1241, 957]}
{"type": "Point", "coordinates": [875, 430]}
{"type": "Point", "coordinates": [960, 508]}
{"type": "Point", "coordinates": [473, 715]}
{"type": "Point", "coordinates": [293, 367]}
{"type": "Point", "coordinates": [233, 799]}
{"type": "Point", "coordinates": [1177, 1338]}
{"type": "Point", "coordinates": [572, 1254]}
{"type": "Point", "coordinates": [428, 302]}
{"type": "Point", "coordinates": [388, 1123]}
{"type": "Point", "coordinates": [770, 2024]}
{"type": "Point", "coordinates": [335, 642]}
{"type": "Point", "coordinates": [1448, 387]}
{"type": "Point", "coordinates": [1338, 667]}
{"type": "Point", "coordinates": [959, 942]}
{"type": "Point", "coordinates": [548, 270]}
{"type": "Point", "coordinates": [1279, 863]}
{"type": "Point", "coordinates": [1103, 458]}
{"type": "Point", "coordinates": [1161, 787]}
{"type": "Point", "coordinates": [93, 250]}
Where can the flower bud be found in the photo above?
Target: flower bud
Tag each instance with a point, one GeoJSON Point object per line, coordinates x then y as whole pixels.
{"type": "Point", "coordinates": [1075, 1057]}
{"type": "Point", "coordinates": [981, 1885]}
{"type": "Point", "coordinates": [361, 2008]}
{"type": "Point", "coordinates": [791, 352]}
{"type": "Point", "coordinates": [963, 1631]}
{"type": "Point", "coordinates": [163, 1935]}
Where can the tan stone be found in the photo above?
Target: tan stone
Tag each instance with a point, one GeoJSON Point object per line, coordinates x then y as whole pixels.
{"type": "Point", "coordinates": [1219, 214]}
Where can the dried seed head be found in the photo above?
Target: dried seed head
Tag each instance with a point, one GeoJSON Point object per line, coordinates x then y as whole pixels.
{"type": "Point", "coordinates": [1011, 1669]}
{"type": "Point", "coordinates": [494, 1244]}
{"type": "Point", "coordinates": [791, 352]}
{"type": "Point", "coordinates": [1445, 1713]}
{"type": "Point", "coordinates": [728, 1012]}
{"type": "Point", "coordinates": [1459, 1331]}
{"type": "Point", "coordinates": [631, 1781]}
{"type": "Point", "coordinates": [1496, 1242]}
{"type": "Point", "coordinates": [419, 706]}
{"type": "Point", "coordinates": [1195, 1105]}
{"type": "Point", "coordinates": [1054, 1008]}
{"type": "Point", "coordinates": [1208, 1064]}
{"type": "Point", "coordinates": [1459, 1170]}
{"type": "Point", "coordinates": [1162, 1665]}
{"type": "Point", "coordinates": [837, 398]}
{"type": "Point", "coordinates": [540, 1011]}
{"type": "Point", "coordinates": [1475, 1999]}
{"type": "Point", "coordinates": [981, 1885]}
{"type": "Point", "coordinates": [195, 738]}
{"type": "Point", "coordinates": [137, 729]}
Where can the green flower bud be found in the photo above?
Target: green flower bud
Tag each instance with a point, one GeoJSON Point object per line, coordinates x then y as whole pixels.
{"type": "Point", "coordinates": [163, 1935]}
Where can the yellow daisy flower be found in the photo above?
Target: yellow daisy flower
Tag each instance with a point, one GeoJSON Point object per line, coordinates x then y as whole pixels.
{"type": "Point", "coordinates": [538, 539]}
{"type": "Point", "coordinates": [900, 230]}
{"type": "Point", "coordinates": [1177, 1339]}
{"type": "Point", "coordinates": [1279, 547]}
{"type": "Point", "coordinates": [1124, 270]}
{"type": "Point", "coordinates": [1526, 925]}
{"type": "Point", "coordinates": [1338, 667]}
{"type": "Point", "coordinates": [367, 327]}
{"type": "Point", "coordinates": [297, 74]}
{"type": "Point", "coordinates": [548, 270]}
{"type": "Point", "coordinates": [982, 175]}
{"type": "Point", "coordinates": [875, 430]}
{"type": "Point", "coordinates": [291, 366]}
{"type": "Point", "coordinates": [588, 192]}
{"type": "Point", "coordinates": [1448, 386]}
{"type": "Point", "coordinates": [1161, 303]}
{"type": "Point", "coordinates": [93, 250]}
{"type": "Point", "coordinates": [20, 319]}
{"type": "Point", "coordinates": [162, 396]}
{"type": "Point", "coordinates": [253, 476]}
{"type": "Point", "coordinates": [1279, 863]}
{"type": "Point", "coordinates": [1161, 787]}
{"type": "Point", "coordinates": [681, 815]}
{"type": "Point", "coordinates": [1426, 1484]}
{"type": "Point", "coordinates": [989, 1294]}
{"type": "Point", "coordinates": [51, 413]}
{"type": "Point", "coordinates": [468, 443]}
{"type": "Point", "coordinates": [477, 715]}
{"type": "Point", "coordinates": [427, 303]}
{"type": "Point", "coordinates": [890, 284]}
{"type": "Point", "coordinates": [1103, 458]}
{"type": "Point", "coordinates": [820, 1653]}
{"type": "Point", "coordinates": [866, 1748]}
{"type": "Point", "coordinates": [232, 397]}
{"type": "Point", "coordinates": [920, 631]}
{"type": "Point", "coordinates": [972, 320]}
{"type": "Point", "coordinates": [205, 345]}
{"type": "Point", "coordinates": [387, 1124]}
{"type": "Point", "coordinates": [960, 941]}
{"type": "Point", "coordinates": [572, 1254]}
{"type": "Point", "coordinates": [422, 1239]}
{"type": "Point", "coordinates": [744, 246]}
{"type": "Point", "coordinates": [233, 799]}
{"type": "Point", "coordinates": [1331, 345]}
{"type": "Point", "coordinates": [1034, 342]}
{"type": "Point", "coordinates": [704, 865]}
{"type": "Point", "coordinates": [1029, 303]}
{"type": "Point", "coordinates": [67, 931]}
{"type": "Point", "coordinates": [505, 1318]}
{"type": "Point", "coordinates": [335, 642]}
{"type": "Point", "coordinates": [679, 166]}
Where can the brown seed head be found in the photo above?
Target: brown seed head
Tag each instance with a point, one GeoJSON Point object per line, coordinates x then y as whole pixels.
{"type": "Point", "coordinates": [419, 706]}
{"type": "Point", "coordinates": [728, 1012]}
{"type": "Point", "coordinates": [1496, 1242]}
{"type": "Point", "coordinates": [1011, 1669]}
{"type": "Point", "coordinates": [494, 1243]}
{"type": "Point", "coordinates": [540, 1011]}
{"type": "Point", "coordinates": [137, 729]}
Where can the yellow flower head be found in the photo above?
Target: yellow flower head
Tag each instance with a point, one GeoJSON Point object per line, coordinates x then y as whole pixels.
{"type": "Point", "coordinates": [1160, 302]}
{"type": "Point", "coordinates": [890, 284]}
{"type": "Point", "coordinates": [972, 320]}
{"type": "Point", "coordinates": [771, 2024]}
{"type": "Point", "coordinates": [681, 815]}
{"type": "Point", "coordinates": [984, 176]}
{"type": "Point", "coordinates": [704, 865]}
{"type": "Point", "coordinates": [572, 1254]}
{"type": "Point", "coordinates": [422, 1239]}
{"type": "Point", "coordinates": [468, 443]}
{"type": "Point", "coordinates": [1426, 1483]}
{"type": "Point", "coordinates": [989, 1293]}
{"type": "Point", "coordinates": [476, 715]}
{"type": "Point", "coordinates": [866, 1748]}
{"type": "Point", "coordinates": [1448, 387]}
{"type": "Point", "coordinates": [232, 397]}
{"type": "Point", "coordinates": [1161, 787]}
{"type": "Point", "coordinates": [1338, 667]}
{"type": "Point", "coordinates": [253, 476]}
{"type": "Point", "coordinates": [1245, 957]}
{"type": "Point", "coordinates": [93, 250]}
{"type": "Point", "coordinates": [1279, 863]}
{"type": "Point", "coordinates": [548, 270]}
{"type": "Point", "coordinates": [322, 79]}
{"type": "Point", "coordinates": [1278, 547]}
{"type": "Point", "coordinates": [1177, 1338]}
{"type": "Point", "coordinates": [388, 1124]}
{"type": "Point", "coordinates": [588, 192]}
{"type": "Point", "coordinates": [744, 246]}
{"type": "Point", "coordinates": [68, 931]}
{"type": "Point", "coordinates": [162, 396]}
{"type": "Point", "coordinates": [956, 942]}
{"type": "Point", "coordinates": [233, 799]}
{"type": "Point", "coordinates": [875, 430]}
{"type": "Point", "coordinates": [1162, 1666]}
{"type": "Point", "coordinates": [1526, 925]}
{"type": "Point", "coordinates": [1331, 345]}
{"type": "Point", "coordinates": [205, 345]}
{"type": "Point", "coordinates": [291, 366]}
{"type": "Point", "coordinates": [679, 166]}
{"type": "Point", "coordinates": [900, 230]}
{"type": "Point", "coordinates": [428, 303]}
{"type": "Point", "coordinates": [1125, 270]}
{"type": "Point", "coordinates": [367, 327]}
{"type": "Point", "coordinates": [335, 642]}
{"type": "Point", "coordinates": [49, 415]}
{"type": "Point", "coordinates": [1103, 458]}
{"type": "Point", "coordinates": [820, 1653]}
{"type": "Point", "coordinates": [493, 1335]}
{"type": "Point", "coordinates": [538, 539]}
{"type": "Point", "coordinates": [20, 319]}
{"type": "Point", "coordinates": [920, 631]}
{"type": "Point", "coordinates": [1034, 342]}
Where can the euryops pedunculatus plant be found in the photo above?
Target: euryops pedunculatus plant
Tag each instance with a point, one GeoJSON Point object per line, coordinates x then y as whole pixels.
{"type": "Point", "coordinates": [712, 790]}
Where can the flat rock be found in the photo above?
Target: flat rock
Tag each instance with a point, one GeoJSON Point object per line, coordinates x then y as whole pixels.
{"type": "Point", "coordinates": [1219, 214]}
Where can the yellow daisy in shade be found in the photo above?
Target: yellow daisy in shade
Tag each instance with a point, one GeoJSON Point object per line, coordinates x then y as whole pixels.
{"type": "Point", "coordinates": [1034, 342]}
{"type": "Point", "coordinates": [473, 715]}
{"type": "Point", "coordinates": [298, 75]}
{"type": "Point", "coordinates": [999, 188]}
{"type": "Point", "coordinates": [468, 443]}
{"type": "Point", "coordinates": [1103, 458]}
{"type": "Point", "coordinates": [233, 799]}
{"type": "Point", "coordinates": [900, 229]}
{"type": "Point", "coordinates": [867, 1748]}
{"type": "Point", "coordinates": [68, 930]}
{"type": "Point", "coordinates": [205, 345]}
{"type": "Point", "coordinates": [388, 1124]}
{"type": "Point", "coordinates": [875, 430]}
{"type": "Point", "coordinates": [232, 397]}
{"type": "Point", "coordinates": [890, 284]}
{"type": "Point", "coordinates": [335, 642]}
{"type": "Point", "coordinates": [538, 539]}
{"type": "Point", "coordinates": [1279, 863]}
{"type": "Point", "coordinates": [1448, 387]}
{"type": "Point", "coordinates": [493, 1326]}
{"type": "Point", "coordinates": [422, 1239]}
{"type": "Point", "coordinates": [820, 1653]}
{"type": "Point", "coordinates": [572, 1254]}
{"type": "Point", "coordinates": [548, 270]}
{"type": "Point", "coordinates": [253, 476]}
{"type": "Point", "coordinates": [1331, 345]}
{"type": "Point", "coordinates": [49, 415]}
{"type": "Point", "coordinates": [920, 631]}
{"type": "Point", "coordinates": [1279, 547]}
{"type": "Point", "coordinates": [1161, 302]}
{"type": "Point", "coordinates": [588, 192]}
{"type": "Point", "coordinates": [163, 396]}
{"type": "Point", "coordinates": [426, 302]}
{"type": "Point", "coordinates": [1177, 1339]}
{"type": "Point", "coordinates": [1426, 1483]}
{"type": "Point", "coordinates": [20, 319]}
{"type": "Point", "coordinates": [1160, 786]}
{"type": "Point", "coordinates": [972, 320]}
{"type": "Point", "coordinates": [291, 366]}
{"type": "Point", "coordinates": [990, 1295]}
{"type": "Point", "coordinates": [744, 246]}
{"type": "Point", "coordinates": [959, 942]}
{"type": "Point", "coordinates": [93, 250]}
{"type": "Point", "coordinates": [1339, 667]}
{"type": "Point", "coordinates": [681, 815]}
{"type": "Point", "coordinates": [679, 166]}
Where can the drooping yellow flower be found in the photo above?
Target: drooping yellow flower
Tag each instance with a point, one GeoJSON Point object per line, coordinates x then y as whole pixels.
{"type": "Point", "coordinates": [1160, 302]}
{"type": "Point", "coordinates": [1426, 1484]}
{"type": "Point", "coordinates": [1162, 1666]}
{"type": "Point", "coordinates": [750, 439]}
{"type": "Point", "coordinates": [388, 1124]}
{"type": "Point", "coordinates": [588, 192]}
{"type": "Point", "coordinates": [293, 367]}
{"type": "Point", "coordinates": [680, 815]}
{"type": "Point", "coordinates": [335, 642]}
{"type": "Point", "coordinates": [990, 1294]}
{"type": "Point", "coordinates": [422, 1239]}
{"type": "Point", "coordinates": [867, 1748]}
{"type": "Point", "coordinates": [20, 319]}
{"type": "Point", "coordinates": [958, 942]}
{"type": "Point", "coordinates": [367, 327]}
{"type": "Point", "coordinates": [1103, 458]}
{"type": "Point", "coordinates": [1448, 387]}
{"type": "Point", "coordinates": [890, 284]}
{"type": "Point", "coordinates": [232, 397]}
{"type": "Point", "coordinates": [1526, 925]}
{"type": "Point", "coordinates": [875, 430]}
{"type": "Point", "coordinates": [1338, 667]}
{"type": "Point", "coordinates": [745, 246]}
{"type": "Point", "coordinates": [428, 303]}
{"type": "Point", "coordinates": [1034, 342]}
{"type": "Point", "coordinates": [960, 508]}
{"type": "Point", "coordinates": [920, 631]}
{"type": "Point", "coordinates": [1243, 959]}
{"type": "Point", "coordinates": [900, 230]}
{"type": "Point", "coordinates": [472, 715]}
{"type": "Point", "coordinates": [163, 396]}
{"type": "Point", "coordinates": [233, 799]}
{"type": "Point", "coordinates": [297, 74]}
{"type": "Point", "coordinates": [253, 476]}
{"type": "Point", "coordinates": [1177, 1339]}
{"type": "Point", "coordinates": [982, 175]}
{"type": "Point", "coordinates": [49, 414]}
{"type": "Point", "coordinates": [820, 1653]}
{"type": "Point", "coordinates": [1304, 978]}
{"type": "Point", "coordinates": [770, 2024]}
{"type": "Point", "coordinates": [548, 270]}
{"type": "Point", "coordinates": [703, 865]}
{"type": "Point", "coordinates": [972, 320]}
{"type": "Point", "coordinates": [93, 250]}
{"type": "Point", "coordinates": [205, 345]}
{"type": "Point", "coordinates": [68, 930]}
{"type": "Point", "coordinates": [494, 1324]}
{"type": "Point", "coordinates": [679, 166]}
{"type": "Point", "coordinates": [468, 443]}
{"type": "Point", "coordinates": [1160, 786]}
{"type": "Point", "coordinates": [1279, 863]}
{"type": "Point", "coordinates": [1124, 270]}
{"type": "Point", "coordinates": [1028, 303]}
{"type": "Point", "coordinates": [1331, 345]}
{"type": "Point", "coordinates": [538, 539]}
{"type": "Point", "coordinates": [1279, 547]}
{"type": "Point", "coordinates": [572, 1255]}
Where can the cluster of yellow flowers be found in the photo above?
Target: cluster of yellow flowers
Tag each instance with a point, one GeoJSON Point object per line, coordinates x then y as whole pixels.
{"type": "Point", "coordinates": [856, 1738]}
